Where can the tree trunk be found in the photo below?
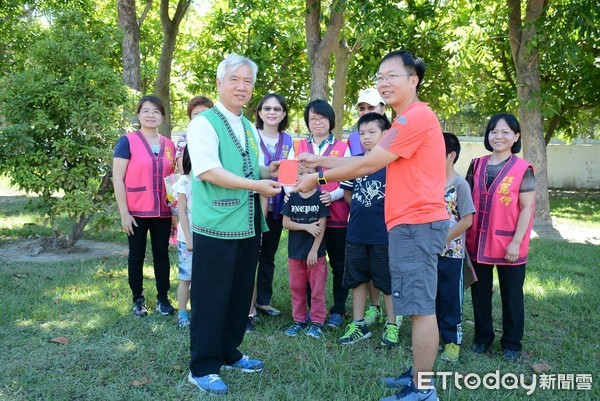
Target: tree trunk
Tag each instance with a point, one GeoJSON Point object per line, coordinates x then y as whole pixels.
{"type": "Point", "coordinates": [320, 49]}
{"type": "Point", "coordinates": [526, 57]}
{"type": "Point", "coordinates": [83, 219]}
{"type": "Point", "coordinates": [130, 45]}
{"type": "Point", "coordinates": [170, 29]}
{"type": "Point", "coordinates": [343, 57]}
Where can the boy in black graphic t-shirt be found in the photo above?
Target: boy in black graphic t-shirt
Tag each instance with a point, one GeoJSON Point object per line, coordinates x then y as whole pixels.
{"type": "Point", "coordinates": [305, 216]}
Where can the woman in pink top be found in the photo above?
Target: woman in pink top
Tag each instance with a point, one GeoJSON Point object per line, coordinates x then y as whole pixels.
{"type": "Point", "coordinates": [141, 161]}
{"type": "Point", "coordinates": [503, 189]}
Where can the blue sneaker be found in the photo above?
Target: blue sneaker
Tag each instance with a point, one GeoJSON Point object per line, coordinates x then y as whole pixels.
{"type": "Point", "coordinates": [183, 323]}
{"type": "Point", "coordinates": [335, 320]}
{"type": "Point", "coordinates": [411, 393]}
{"type": "Point", "coordinates": [247, 365]}
{"type": "Point", "coordinates": [210, 383]}
{"type": "Point", "coordinates": [405, 379]}
{"type": "Point", "coordinates": [295, 328]}
{"type": "Point", "coordinates": [315, 331]}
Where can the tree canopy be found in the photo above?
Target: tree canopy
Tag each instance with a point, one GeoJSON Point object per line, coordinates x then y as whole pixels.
{"type": "Point", "coordinates": [63, 64]}
{"type": "Point", "coordinates": [62, 117]}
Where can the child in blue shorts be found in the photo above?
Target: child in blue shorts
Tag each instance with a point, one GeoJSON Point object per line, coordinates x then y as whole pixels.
{"type": "Point", "coordinates": [449, 298]}
{"type": "Point", "coordinates": [367, 240]}
{"type": "Point", "coordinates": [185, 245]}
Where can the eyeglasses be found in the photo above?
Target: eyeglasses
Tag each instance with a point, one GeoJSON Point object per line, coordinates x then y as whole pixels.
{"type": "Point", "coordinates": [390, 78]}
{"type": "Point", "coordinates": [269, 108]}
{"type": "Point", "coordinates": [154, 112]}
{"type": "Point", "coordinates": [502, 133]}
{"type": "Point", "coordinates": [320, 120]}
{"type": "Point", "coordinates": [366, 108]}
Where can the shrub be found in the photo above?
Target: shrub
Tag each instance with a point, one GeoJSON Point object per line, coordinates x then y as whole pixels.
{"type": "Point", "coordinates": [62, 116]}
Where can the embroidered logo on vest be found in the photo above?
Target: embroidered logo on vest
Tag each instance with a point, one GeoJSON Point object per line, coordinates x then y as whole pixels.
{"type": "Point", "coordinates": [251, 140]}
{"type": "Point", "coordinates": [504, 190]}
{"type": "Point", "coordinates": [285, 151]}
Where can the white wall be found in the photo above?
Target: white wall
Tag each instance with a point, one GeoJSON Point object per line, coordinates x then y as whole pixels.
{"type": "Point", "coordinates": [575, 166]}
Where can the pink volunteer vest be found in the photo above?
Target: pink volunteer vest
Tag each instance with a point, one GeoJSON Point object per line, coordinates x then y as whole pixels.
{"type": "Point", "coordinates": [144, 179]}
{"type": "Point", "coordinates": [498, 209]}
{"type": "Point", "coordinates": [339, 209]}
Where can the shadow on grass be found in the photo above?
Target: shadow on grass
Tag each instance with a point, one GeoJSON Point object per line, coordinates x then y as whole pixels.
{"type": "Point", "coordinates": [89, 303]}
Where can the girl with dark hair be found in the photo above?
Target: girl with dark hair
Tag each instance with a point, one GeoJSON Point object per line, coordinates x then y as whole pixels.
{"type": "Point", "coordinates": [271, 122]}
{"type": "Point", "coordinates": [503, 190]}
{"type": "Point", "coordinates": [320, 120]}
{"type": "Point", "coordinates": [141, 198]}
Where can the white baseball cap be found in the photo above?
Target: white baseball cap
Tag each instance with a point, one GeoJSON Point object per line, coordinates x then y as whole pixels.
{"type": "Point", "coordinates": [370, 96]}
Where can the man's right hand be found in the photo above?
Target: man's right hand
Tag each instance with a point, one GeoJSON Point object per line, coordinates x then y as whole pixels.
{"type": "Point", "coordinates": [267, 188]}
{"type": "Point", "coordinates": [308, 159]}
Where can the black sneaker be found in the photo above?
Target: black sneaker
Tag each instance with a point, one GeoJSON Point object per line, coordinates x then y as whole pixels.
{"type": "Point", "coordinates": [511, 356]}
{"type": "Point", "coordinates": [139, 307]}
{"type": "Point", "coordinates": [164, 307]}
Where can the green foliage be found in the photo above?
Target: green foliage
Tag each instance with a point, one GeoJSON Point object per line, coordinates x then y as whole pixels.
{"type": "Point", "coordinates": [18, 30]}
{"type": "Point", "coordinates": [417, 26]}
{"type": "Point", "coordinates": [570, 69]}
{"type": "Point", "coordinates": [271, 36]}
{"type": "Point", "coordinates": [62, 116]}
{"type": "Point", "coordinates": [484, 78]}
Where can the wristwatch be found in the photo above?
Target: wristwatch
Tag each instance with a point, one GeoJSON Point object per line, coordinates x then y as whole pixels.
{"type": "Point", "coordinates": [321, 180]}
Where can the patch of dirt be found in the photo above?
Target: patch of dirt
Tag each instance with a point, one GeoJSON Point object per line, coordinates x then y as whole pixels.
{"type": "Point", "coordinates": [36, 250]}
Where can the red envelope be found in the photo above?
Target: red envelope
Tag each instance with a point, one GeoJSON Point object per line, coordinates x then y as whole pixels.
{"type": "Point", "coordinates": [288, 172]}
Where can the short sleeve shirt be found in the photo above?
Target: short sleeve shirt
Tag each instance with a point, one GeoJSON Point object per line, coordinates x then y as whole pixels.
{"type": "Point", "coordinates": [528, 183]}
{"type": "Point", "coordinates": [203, 141]}
{"type": "Point", "coordinates": [459, 203]}
{"type": "Point", "coordinates": [123, 151]}
{"type": "Point", "coordinates": [416, 179]}
{"type": "Point", "coordinates": [366, 224]}
{"type": "Point", "coordinates": [304, 211]}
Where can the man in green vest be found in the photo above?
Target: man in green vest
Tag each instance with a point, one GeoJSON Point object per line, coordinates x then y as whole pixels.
{"type": "Point", "coordinates": [227, 223]}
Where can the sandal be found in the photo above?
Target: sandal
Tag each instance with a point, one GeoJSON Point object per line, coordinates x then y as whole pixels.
{"type": "Point", "coordinates": [268, 310]}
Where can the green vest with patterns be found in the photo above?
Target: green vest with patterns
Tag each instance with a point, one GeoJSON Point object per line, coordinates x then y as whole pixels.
{"type": "Point", "coordinates": [224, 212]}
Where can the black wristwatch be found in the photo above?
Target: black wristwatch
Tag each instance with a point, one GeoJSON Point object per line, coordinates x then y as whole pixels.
{"type": "Point", "coordinates": [321, 180]}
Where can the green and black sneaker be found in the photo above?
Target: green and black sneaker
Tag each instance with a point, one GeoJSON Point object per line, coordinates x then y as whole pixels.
{"type": "Point", "coordinates": [354, 333]}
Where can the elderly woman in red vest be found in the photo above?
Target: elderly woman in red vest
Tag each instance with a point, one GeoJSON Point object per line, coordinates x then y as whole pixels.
{"type": "Point", "coordinates": [141, 161]}
{"type": "Point", "coordinates": [504, 194]}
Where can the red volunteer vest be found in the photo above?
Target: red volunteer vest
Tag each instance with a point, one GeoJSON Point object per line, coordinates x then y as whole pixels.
{"type": "Point", "coordinates": [497, 212]}
{"type": "Point", "coordinates": [339, 209]}
{"type": "Point", "coordinates": [144, 179]}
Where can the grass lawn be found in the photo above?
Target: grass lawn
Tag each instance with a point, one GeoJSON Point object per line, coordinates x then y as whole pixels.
{"type": "Point", "coordinates": [113, 356]}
